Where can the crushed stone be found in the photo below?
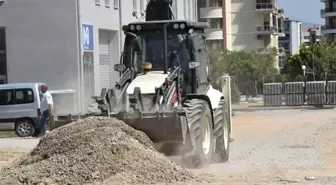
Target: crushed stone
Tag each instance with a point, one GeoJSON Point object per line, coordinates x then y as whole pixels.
{"type": "Point", "coordinates": [95, 150]}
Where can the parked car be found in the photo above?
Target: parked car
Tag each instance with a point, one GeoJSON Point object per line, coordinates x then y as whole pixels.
{"type": "Point", "coordinates": [20, 108]}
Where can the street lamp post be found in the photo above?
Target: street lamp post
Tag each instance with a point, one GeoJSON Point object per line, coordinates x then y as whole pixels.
{"type": "Point", "coordinates": [304, 70]}
{"type": "Point", "coordinates": [305, 81]}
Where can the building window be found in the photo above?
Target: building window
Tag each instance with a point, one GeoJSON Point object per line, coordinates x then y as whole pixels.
{"type": "Point", "coordinates": [107, 3]}
{"type": "Point", "coordinates": [202, 4]}
{"type": "Point", "coordinates": [97, 2]}
{"type": "Point", "coordinates": [216, 3]}
{"type": "Point", "coordinates": [216, 23]}
{"type": "Point", "coordinates": [306, 37]}
{"type": "Point", "coordinates": [116, 4]}
{"type": "Point", "coordinates": [135, 6]}
{"type": "Point", "coordinates": [24, 96]}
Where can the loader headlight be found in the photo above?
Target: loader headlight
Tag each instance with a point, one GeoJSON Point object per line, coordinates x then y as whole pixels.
{"type": "Point", "coordinates": [138, 27]}
{"type": "Point", "coordinates": [176, 26]}
{"type": "Point", "coordinates": [132, 27]}
{"type": "Point", "coordinates": [182, 26]}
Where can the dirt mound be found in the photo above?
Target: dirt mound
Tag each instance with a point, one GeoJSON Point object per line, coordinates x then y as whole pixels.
{"type": "Point", "coordinates": [94, 151]}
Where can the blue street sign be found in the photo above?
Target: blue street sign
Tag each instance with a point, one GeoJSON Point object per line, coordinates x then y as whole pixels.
{"type": "Point", "coordinates": [87, 37]}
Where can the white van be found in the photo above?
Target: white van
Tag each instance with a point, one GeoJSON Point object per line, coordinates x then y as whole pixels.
{"type": "Point", "coordinates": [20, 108]}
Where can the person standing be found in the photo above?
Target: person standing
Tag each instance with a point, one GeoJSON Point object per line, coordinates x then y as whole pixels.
{"type": "Point", "coordinates": [46, 108]}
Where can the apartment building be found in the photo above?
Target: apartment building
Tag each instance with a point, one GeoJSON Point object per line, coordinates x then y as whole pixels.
{"type": "Point", "coordinates": [250, 25]}
{"type": "Point", "coordinates": [312, 35]}
{"type": "Point", "coordinates": [329, 14]}
{"type": "Point", "coordinates": [69, 44]}
{"type": "Point", "coordinates": [292, 40]}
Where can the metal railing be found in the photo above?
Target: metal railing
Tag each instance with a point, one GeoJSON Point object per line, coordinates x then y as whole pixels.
{"type": "Point", "coordinates": [267, 50]}
{"type": "Point", "coordinates": [266, 28]}
{"type": "Point", "coordinates": [265, 6]}
{"type": "Point", "coordinates": [328, 27]}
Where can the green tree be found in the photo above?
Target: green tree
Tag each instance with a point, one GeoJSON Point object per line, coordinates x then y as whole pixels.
{"type": "Point", "coordinates": [248, 68]}
{"type": "Point", "coordinates": [320, 58]}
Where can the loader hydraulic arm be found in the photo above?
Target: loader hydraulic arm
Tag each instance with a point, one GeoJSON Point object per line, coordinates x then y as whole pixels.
{"type": "Point", "coordinates": [128, 75]}
{"type": "Point", "coordinates": [169, 87]}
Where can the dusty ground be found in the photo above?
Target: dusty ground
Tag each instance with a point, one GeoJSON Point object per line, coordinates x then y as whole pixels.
{"type": "Point", "coordinates": [277, 147]}
{"type": "Point", "coordinates": [281, 147]}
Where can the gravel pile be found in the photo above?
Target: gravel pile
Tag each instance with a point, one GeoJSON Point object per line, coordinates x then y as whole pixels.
{"type": "Point", "coordinates": [95, 150]}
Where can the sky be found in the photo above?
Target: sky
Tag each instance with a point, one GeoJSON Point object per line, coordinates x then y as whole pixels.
{"type": "Point", "coordinates": [307, 11]}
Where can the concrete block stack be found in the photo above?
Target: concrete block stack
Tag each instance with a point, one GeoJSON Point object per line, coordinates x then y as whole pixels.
{"type": "Point", "coordinates": [272, 94]}
{"type": "Point", "coordinates": [316, 93]}
{"type": "Point", "coordinates": [294, 93]}
{"type": "Point", "coordinates": [331, 92]}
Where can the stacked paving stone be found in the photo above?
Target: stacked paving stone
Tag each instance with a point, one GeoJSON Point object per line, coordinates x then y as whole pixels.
{"type": "Point", "coordinates": [272, 93]}
{"type": "Point", "coordinates": [331, 92]}
{"type": "Point", "coordinates": [316, 93]}
{"type": "Point", "coordinates": [294, 92]}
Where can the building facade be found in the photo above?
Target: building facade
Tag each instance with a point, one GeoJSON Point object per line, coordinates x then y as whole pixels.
{"type": "Point", "coordinates": [312, 35]}
{"type": "Point", "coordinates": [329, 14]}
{"type": "Point", "coordinates": [69, 44]}
{"type": "Point", "coordinates": [244, 25]}
{"type": "Point", "coordinates": [292, 40]}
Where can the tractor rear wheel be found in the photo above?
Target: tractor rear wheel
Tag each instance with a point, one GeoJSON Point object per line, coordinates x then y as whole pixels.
{"type": "Point", "coordinates": [221, 133]}
{"type": "Point", "coordinates": [201, 133]}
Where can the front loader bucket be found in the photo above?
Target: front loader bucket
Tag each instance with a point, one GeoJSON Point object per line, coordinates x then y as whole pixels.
{"type": "Point", "coordinates": [163, 127]}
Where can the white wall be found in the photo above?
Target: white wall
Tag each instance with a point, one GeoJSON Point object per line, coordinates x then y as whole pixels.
{"type": "Point", "coordinates": [295, 37]}
{"type": "Point", "coordinates": [106, 18]}
{"type": "Point", "coordinates": [244, 20]}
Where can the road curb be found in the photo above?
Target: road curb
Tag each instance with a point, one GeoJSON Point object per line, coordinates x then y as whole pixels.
{"type": "Point", "coordinates": [262, 108]}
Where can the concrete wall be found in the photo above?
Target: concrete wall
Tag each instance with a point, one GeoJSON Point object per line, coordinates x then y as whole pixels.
{"type": "Point", "coordinates": [244, 20]}
{"type": "Point", "coordinates": [106, 18]}
{"type": "Point", "coordinates": [41, 42]}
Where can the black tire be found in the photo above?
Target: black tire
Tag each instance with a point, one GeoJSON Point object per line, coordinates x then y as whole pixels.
{"type": "Point", "coordinates": [222, 141]}
{"type": "Point", "coordinates": [24, 128]}
{"type": "Point", "coordinates": [199, 114]}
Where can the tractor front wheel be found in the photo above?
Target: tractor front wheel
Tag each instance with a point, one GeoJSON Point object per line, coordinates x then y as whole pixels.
{"type": "Point", "coordinates": [201, 133]}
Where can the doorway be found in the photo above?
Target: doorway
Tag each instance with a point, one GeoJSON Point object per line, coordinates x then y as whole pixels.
{"type": "Point", "coordinates": [3, 57]}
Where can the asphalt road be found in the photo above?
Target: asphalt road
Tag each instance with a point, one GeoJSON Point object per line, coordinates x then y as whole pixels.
{"type": "Point", "coordinates": [270, 148]}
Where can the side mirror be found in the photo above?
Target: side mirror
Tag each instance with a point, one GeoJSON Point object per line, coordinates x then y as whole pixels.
{"type": "Point", "coordinates": [119, 67]}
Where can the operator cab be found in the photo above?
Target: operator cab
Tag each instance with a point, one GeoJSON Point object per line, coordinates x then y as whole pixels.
{"type": "Point", "coordinates": [165, 45]}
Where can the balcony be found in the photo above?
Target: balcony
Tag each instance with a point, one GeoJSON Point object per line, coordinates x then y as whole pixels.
{"type": "Point", "coordinates": [281, 12]}
{"type": "Point", "coordinates": [327, 29]}
{"type": "Point", "coordinates": [281, 51]}
{"type": "Point", "coordinates": [281, 32]}
{"type": "Point", "coordinates": [266, 7]}
{"type": "Point", "coordinates": [214, 34]}
{"type": "Point", "coordinates": [211, 12]}
{"type": "Point", "coordinates": [266, 30]}
{"type": "Point", "coordinates": [328, 12]}
{"type": "Point", "coordinates": [268, 50]}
